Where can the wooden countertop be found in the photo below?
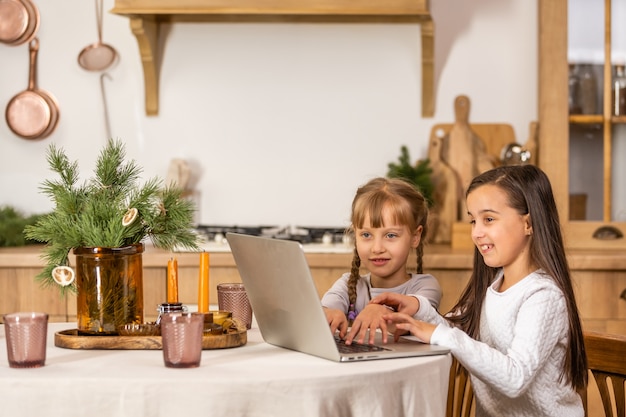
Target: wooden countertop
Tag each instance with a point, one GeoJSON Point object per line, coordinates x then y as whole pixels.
{"type": "Point", "coordinates": [30, 257]}
{"type": "Point", "coordinates": [436, 257]}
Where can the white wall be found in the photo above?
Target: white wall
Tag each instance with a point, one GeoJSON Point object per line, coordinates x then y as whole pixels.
{"type": "Point", "coordinates": [281, 122]}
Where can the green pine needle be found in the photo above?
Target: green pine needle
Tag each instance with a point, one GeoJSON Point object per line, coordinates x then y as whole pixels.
{"type": "Point", "coordinates": [418, 174]}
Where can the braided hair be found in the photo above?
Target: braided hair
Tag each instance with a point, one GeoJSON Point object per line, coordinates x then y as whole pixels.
{"type": "Point", "coordinates": [409, 208]}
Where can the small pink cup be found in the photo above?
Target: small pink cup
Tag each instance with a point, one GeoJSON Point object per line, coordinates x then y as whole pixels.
{"type": "Point", "coordinates": [26, 335]}
{"type": "Point", "coordinates": [233, 297]}
{"type": "Point", "coordinates": [181, 335]}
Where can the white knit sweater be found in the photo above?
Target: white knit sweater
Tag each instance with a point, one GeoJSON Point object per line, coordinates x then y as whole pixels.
{"type": "Point", "coordinates": [516, 366]}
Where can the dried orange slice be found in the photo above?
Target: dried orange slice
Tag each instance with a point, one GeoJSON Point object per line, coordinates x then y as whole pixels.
{"type": "Point", "coordinates": [233, 324]}
{"type": "Point", "coordinates": [63, 275]}
{"type": "Point", "coordinates": [130, 216]}
{"type": "Point", "coordinates": [227, 323]}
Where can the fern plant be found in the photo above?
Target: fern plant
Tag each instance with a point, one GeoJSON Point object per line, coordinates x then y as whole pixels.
{"type": "Point", "coordinates": [110, 210]}
{"type": "Point", "coordinates": [418, 174]}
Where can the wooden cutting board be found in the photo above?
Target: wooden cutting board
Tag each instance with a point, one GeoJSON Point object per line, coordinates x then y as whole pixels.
{"type": "Point", "coordinates": [465, 149]}
{"type": "Point", "coordinates": [446, 192]}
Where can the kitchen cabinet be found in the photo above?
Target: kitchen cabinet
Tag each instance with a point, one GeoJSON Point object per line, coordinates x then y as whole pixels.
{"type": "Point", "coordinates": [19, 291]}
{"type": "Point", "coordinates": [599, 281]}
{"type": "Point", "coordinates": [146, 17]}
{"type": "Point", "coordinates": [555, 123]}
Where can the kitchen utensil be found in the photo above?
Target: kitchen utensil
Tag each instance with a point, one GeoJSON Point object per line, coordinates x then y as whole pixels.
{"type": "Point", "coordinates": [446, 191]}
{"type": "Point", "coordinates": [458, 150]}
{"type": "Point", "coordinates": [105, 105]}
{"type": "Point", "coordinates": [98, 56]}
{"type": "Point", "coordinates": [531, 143]}
{"type": "Point", "coordinates": [464, 151]}
{"type": "Point", "coordinates": [495, 136]}
{"type": "Point", "coordinates": [19, 21]}
{"type": "Point", "coordinates": [33, 113]}
{"type": "Point", "coordinates": [514, 154]}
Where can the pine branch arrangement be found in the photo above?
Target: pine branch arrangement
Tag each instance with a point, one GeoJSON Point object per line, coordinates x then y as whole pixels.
{"type": "Point", "coordinates": [419, 173]}
{"type": "Point", "coordinates": [110, 210]}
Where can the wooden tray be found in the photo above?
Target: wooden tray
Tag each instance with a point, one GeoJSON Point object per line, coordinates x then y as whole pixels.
{"type": "Point", "coordinates": [70, 339]}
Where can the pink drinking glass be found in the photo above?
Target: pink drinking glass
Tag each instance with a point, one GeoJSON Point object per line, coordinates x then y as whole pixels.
{"type": "Point", "coordinates": [181, 335]}
{"type": "Point", "coordinates": [26, 335]}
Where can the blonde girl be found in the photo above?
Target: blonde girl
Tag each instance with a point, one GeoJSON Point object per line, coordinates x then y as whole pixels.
{"type": "Point", "coordinates": [388, 222]}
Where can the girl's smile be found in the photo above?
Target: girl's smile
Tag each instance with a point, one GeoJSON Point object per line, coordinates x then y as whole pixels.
{"type": "Point", "coordinates": [485, 248]}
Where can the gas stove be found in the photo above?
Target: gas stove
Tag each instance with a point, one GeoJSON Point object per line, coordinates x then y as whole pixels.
{"type": "Point", "coordinates": [304, 235]}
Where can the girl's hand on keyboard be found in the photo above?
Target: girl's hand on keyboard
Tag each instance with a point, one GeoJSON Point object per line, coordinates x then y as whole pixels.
{"type": "Point", "coordinates": [337, 321]}
{"type": "Point", "coordinates": [365, 325]}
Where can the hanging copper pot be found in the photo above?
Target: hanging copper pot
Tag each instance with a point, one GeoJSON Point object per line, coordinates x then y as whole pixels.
{"type": "Point", "coordinates": [19, 21]}
{"type": "Point", "coordinates": [33, 113]}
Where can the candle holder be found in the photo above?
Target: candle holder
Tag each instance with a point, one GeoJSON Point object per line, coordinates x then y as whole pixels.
{"type": "Point", "coordinates": [211, 328]}
{"type": "Point", "coordinates": [220, 315]}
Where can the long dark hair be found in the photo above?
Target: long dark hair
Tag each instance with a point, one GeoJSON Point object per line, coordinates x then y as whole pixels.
{"type": "Point", "coordinates": [409, 208]}
{"type": "Point", "coordinates": [529, 192]}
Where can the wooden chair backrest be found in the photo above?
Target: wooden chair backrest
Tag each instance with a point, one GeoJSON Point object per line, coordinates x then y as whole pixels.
{"type": "Point", "coordinates": [460, 393]}
{"type": "Point", "coordinates": [606, 354]}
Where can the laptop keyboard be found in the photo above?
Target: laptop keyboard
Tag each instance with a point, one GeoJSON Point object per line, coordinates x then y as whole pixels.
{"type": "Point", "coordinates": [356, 347]}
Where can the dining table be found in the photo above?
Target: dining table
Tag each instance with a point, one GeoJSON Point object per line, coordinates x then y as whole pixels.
{"type": "Point", "coordinates": [254, 379]}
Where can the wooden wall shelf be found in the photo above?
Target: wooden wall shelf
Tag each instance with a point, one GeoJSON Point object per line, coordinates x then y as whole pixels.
{"type": "Point", "coordinates": [147, 15]}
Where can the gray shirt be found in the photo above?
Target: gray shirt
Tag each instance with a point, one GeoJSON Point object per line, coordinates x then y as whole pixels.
{"type": "Point", "coordinates": [337, 296]}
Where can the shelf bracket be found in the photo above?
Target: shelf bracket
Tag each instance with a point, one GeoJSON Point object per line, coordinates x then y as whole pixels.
{"type": "Point", "coordinates": [146, 31]}
{"type": "Point", "coordinates": [427, 29]}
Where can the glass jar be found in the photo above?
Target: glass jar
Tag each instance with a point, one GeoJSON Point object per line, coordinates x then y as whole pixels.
{"type": "Point", "coordinates": [109, 284]}
{"type": "Point", "coordinates": [588, 89]}
{"type": "Point", "coordinates": [574, 90]}
{"type": "Point", "coordinates": [618, 103]}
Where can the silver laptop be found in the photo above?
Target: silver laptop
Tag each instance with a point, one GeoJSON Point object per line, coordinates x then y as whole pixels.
{"type": "Point", "coordinates": [287, 307]}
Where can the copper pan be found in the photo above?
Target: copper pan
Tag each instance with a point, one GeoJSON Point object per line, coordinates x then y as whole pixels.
{"type": "Point", "coordinates": [19, 21]}
{"type": "Point", "coordinates": [33, 113]}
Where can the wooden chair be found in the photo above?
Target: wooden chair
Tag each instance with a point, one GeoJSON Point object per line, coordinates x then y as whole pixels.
{"type": "Point", "coordinates": [606, 354]}
{"type": "Point", "coordinates": [460, 394]}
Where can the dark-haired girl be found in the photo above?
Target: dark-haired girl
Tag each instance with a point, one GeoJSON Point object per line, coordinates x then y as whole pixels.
{"type": "Point", "coordinates": [516, 326]}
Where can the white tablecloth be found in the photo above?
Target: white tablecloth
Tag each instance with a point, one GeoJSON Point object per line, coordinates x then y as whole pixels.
{"type": "Point", "coordinates": [257, 379]}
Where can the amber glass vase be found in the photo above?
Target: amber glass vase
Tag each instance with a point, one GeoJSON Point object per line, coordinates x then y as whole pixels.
{"type": "Point", "coordinates": [109, 283]}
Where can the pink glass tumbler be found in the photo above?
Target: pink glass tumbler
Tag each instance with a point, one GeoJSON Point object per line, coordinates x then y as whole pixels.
{"type": "Point", "coordinates": [181, 335]}
{"type": "Point", "coordinates": [26, 339]}
{"type": "Point", "coordinates": [233, 297]}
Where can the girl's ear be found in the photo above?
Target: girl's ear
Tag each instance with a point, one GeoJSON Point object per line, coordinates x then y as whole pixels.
{"type": "Point", "coordinates": [528, 227]}
{"type": "Point", "coordinates": [417, 237]}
